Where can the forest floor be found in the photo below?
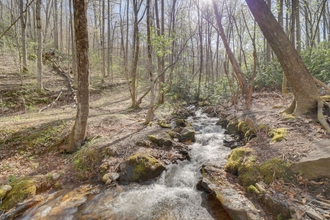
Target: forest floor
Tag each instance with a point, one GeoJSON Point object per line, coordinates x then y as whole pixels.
{"type": "Point", "coordinates": [31, 135]}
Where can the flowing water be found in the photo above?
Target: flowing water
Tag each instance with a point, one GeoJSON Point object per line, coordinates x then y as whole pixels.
{"type": "Point", "coordinates": [173, 196]}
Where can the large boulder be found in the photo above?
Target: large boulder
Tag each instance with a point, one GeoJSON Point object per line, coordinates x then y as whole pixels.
{"type": "Point", "coordinates": [316, 164]}
{"type": "Point", "coordinates": [140, 167]}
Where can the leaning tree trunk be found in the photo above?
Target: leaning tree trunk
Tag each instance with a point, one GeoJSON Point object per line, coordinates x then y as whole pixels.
{"type": "Point", "coordinates": [303, 87]}
{"type": "Point", "coordinates": [78, 133]}
{"type": "Point", "coordinates": [237, 69]}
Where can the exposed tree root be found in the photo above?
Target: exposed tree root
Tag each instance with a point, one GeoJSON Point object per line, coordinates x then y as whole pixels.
{"type": "Point", "coordinates": [320, 116]}
{"type": "Point", "coordinates": [321, 84]}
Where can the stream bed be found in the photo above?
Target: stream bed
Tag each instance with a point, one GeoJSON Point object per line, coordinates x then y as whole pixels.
{"type": "Point", "coordinates": [172, 196]}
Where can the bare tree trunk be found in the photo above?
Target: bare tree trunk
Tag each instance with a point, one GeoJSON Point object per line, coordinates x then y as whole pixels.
{"type": "Point", "coordinates": [55, 25]}
{"type": "Point", "coordinates": [268, 51]}
{"type": "Point", "coordinates": [61, 27]}
{"type": "Point", "coordinates": [135, 51]}
{"type": "Point", "coordinates": [49, 5]}
{"type": "Point", "coordinates": [109, 72]}
{"type": "Point", "coordinates": [23, 27]}
{"type": "Point", "coordinates": [78, 133]}
{"type": "Point", "coordinates": [201, 56]}
{"type": "Point", "coordinates": [73, 49]}
{"type": "Point", "coordinates": [39, 35]}
{"type": "Point", "coordinates": [162, 62]}
{"type": "Point", "coordinates": [297, 19]}
{"type": "Point", "coordinates": [95, 35]}
{"type": "Point", "coordinates": [280, 21]}
{"type": "Point", "coordinates": [152, 87]}
{"type": "Point", "coordinates": [172, 34]}
{"type": "Point", "coordinates": [103, 40]}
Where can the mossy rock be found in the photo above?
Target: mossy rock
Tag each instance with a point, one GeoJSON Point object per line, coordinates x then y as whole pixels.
{"type": "Point", "coordinates": [4, 190]}
{"type": "Point", "coordinates": [241, 162]}
{"type": "Point", "coordinates": [248, 172]}
{"type": "Point", "coordinates": [235, 159]}
{"type": "Point", "coordinates": [277, 134]}
{"type": "Point", "coordinates": [223, 122]}
{"type": "Point", "coordinates": [162, 139]}
{"type": "Point", "coordinates": [187, 134]}
{"type": "Point", "coordinates": [253, 190]}
{"type": "Point", "coordinates": [232, 127]}
{"type": "Point", "coordinates": [275, 168]}
{"type": "Point", "coordinates": [243, 127]}
{"type": "Point", "coordinates": [288, 116]}
{"type": "Point", "coordinates": [22, 189]}
{"type": "Point", "coordinates": [180, 122]}
{"type": "Point", "coordinates": [86, 160]}
{"type": "Point", "coordinates": [140, 167]}
{"type": "Point", "coordinates": [163, 124]}
{"type": "Point", "coordinates": [143, 143]}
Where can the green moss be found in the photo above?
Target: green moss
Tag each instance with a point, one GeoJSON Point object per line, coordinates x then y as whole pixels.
{"type": "Point", "coordinates": [39, 140]}
{"type": "Point", "coordinates": [243, 127]}
{"type": "Point", "coordinates": [277, 134]}
{"type": "Point", "coordinates": [142, 163]}
{"type": "Point", "coordinates": [85, 160]}
{"type": "Point", "coordinates": [236, 158]}
{"type": "Point", "coordinates": [22, 189]}
{"type": "Point", "coordinates": [241, 162]}
{"type": "Point", "coordinates": [232, 127]}
{"type": "Point", "coordinates": [163, 124]}
{"type": "Point", "coordinates": [253, 190]}
{"type": "Point", "coordinates": [180, 122]}
{"type": "Point", "coordinates": [248, 172]}
{"type": "Point", "coordinates": [153, 138]}
{"type": "Point", "coordinates": [287, 116]}
{"type": "Point", "coordinates": [275, 169]}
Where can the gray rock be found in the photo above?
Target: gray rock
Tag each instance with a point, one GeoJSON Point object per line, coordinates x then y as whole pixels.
{"type": "Point", "coordinates": [110, 177]}
{"type": "Point", "coordinates": [162, 139]}
{"type": "Point", "coordinates": [233, 201]}
{"type": "Point", "coordinates": [180, 122]}
{"type": "Point", "coordinates": [316, 164]}
{"type": "Point", "coordinates": [187, 134]}
{"type": "Point", "coordinates": [232, 128]}
{"type": "Point", "coordinates": [56, 176]}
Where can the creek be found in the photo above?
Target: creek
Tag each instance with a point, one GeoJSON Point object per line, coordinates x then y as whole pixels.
{"type": "Point", "coordinates": [172, 196]}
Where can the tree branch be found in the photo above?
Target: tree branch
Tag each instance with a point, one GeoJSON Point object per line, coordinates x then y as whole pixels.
{"type": "Point", "coordinates": [27, 6]}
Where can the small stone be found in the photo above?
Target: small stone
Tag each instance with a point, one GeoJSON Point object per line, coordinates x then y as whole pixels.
{"type": "Point", "coordinates": [104, 167]}
{"type": "Point", "coordinates": [106, 178]}
{"type": "Point", "coordinates": [110, 177]}
{"type": "Point", "coordinates": [180, 122]}
{"type": "Point", "coordinates": [4, 190]}
{"type": "Point", "coordinates": [110, 151]}
{"type": "Point", "coordinates": [56, 176]}
{"type": "Point", "coordinates": [114, 176]}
